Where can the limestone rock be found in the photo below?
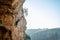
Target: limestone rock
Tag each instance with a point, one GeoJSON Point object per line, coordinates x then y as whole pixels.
{"type": "Point", "coordinates": [12, 20]}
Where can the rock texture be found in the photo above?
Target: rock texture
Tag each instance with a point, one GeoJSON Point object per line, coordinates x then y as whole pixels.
{"type": "Point", "coordinates": [12, 21]}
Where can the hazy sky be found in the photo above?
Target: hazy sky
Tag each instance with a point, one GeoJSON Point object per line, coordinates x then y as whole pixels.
{"type": "Point", "coordinates": [43, 13]}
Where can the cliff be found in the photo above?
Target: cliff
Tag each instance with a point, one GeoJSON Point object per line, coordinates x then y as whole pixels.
{"type": "Point", "coordinates": [12, 20]}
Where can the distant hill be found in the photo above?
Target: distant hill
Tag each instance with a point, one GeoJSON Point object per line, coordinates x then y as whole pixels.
{"type": "Point", "coordinates": [49, 34]}
{"type": "Point", "coordinates": [32, 31]}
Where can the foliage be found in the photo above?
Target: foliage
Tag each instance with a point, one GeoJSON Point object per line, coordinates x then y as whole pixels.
{"type": "Point", "coordinates": [25, 10]}
{"type": "Point", "coordinates": [27, 37]}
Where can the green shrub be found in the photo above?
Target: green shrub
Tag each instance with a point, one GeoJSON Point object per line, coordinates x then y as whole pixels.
{"type": "Point", "coordinates": [27, 37]}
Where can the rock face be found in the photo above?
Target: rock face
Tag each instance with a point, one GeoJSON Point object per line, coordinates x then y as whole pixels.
{"type": "Point", "coordinates": [12, 21]}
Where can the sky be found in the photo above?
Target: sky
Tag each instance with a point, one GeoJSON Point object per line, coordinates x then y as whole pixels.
{"type": "Point", "coordinates": [42, 14]}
